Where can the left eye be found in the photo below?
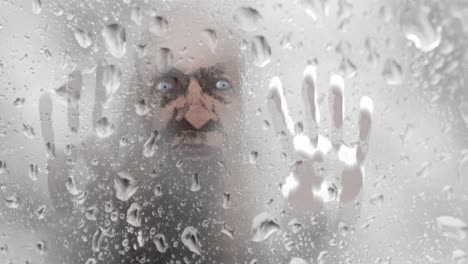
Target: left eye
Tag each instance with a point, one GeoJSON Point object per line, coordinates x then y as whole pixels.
{"type": "Point", "coordinates": [164, 86]}
{"type": "Point", "coordinates": [223, 85]}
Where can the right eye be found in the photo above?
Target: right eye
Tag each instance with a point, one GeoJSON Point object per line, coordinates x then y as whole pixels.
{"type": "Point", "coordinates": [165, 86]}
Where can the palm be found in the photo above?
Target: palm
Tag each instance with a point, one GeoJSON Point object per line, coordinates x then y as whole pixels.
{"type": "Point", "coordinates": [325, 169]}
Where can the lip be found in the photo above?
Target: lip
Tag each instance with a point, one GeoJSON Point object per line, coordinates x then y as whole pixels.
{"type": "Point", "coordinates": [195, 151]}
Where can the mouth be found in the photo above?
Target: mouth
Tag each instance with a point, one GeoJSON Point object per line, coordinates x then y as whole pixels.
{"type": "Point", "coordinates": [196, 145]}
{"type": "Point", "coordinates": [195, 152]}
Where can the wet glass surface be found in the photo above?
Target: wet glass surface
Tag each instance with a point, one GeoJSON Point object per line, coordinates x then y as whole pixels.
{"type": "Point", "coordinates": [308, 131]}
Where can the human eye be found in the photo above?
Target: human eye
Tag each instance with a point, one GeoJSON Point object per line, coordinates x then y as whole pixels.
{"type": "Point", "coordinates": [223, 84]}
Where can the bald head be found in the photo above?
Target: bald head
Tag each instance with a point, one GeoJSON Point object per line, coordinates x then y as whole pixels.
{"type": "Point", "coordinates": [192, 65]}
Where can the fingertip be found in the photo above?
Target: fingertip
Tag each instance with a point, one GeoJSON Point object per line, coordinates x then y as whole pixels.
{"type": "Point", "coordinates": [367, 104]}
{"type": "Point", "coordinates": [276, 83]}
{"type": "Point", "coordinates": [337, 84]}
{"type": "Point", "coordinates": [365, 117]}
{"type": "Point", "coordinates": [310, 72]}
{"type": "Point", "coordinates": [336, 100]}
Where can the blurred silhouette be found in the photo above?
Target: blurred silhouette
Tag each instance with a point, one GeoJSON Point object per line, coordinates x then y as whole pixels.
{"type": "Point", "coordinates": [151, 186]}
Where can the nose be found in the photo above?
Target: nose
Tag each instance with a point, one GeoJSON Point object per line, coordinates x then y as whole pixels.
{"type": "Point", "coordinates": [199, 110]}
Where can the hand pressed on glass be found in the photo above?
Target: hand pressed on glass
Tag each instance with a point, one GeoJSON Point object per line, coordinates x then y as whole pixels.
{"type": "Point", "coordinates": [306, 186]}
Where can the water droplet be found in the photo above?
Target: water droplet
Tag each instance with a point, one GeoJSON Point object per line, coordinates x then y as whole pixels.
{"type": "Point", "coordinates": [424, 169]}
{"type": "Point", "coordinates": [263, 226]}
{"type": "Point", "coordinates": [28, 131]}
{"type": "Point", "coordinates": [104, 128]}
{"type": "Point", "coordinates": [347, 68]}
{"type": "Point", "coordinates": [137, 15]}
{"type": "Point", "coordinates": [417, 27]}
{"type": "Point", "coordinates": [227, 231]}
{"type": "Point", "coordinates": [226, 200]}
{"type": "Point", "coordinates": [80, 198]}
{"type": "Point", "coordinates": [447, 192]}
{"type": "Point", "coordinates": [295, 226]}
{"type": "Point", "coordinates": [244, 44]}
{"type": "Point", "coordinates": [19, 102]}
{"type": "Point", "coordinates": [134, 215]}
{"type": "Point", "coordinates": [261, 51]}
{"type": "Point", "coordinates": [190, 239]}
{"type": "Point", "coordinates": [140, 239]}
{"type": "Point", "coordinates": [377, 199]}
{"type": "Point", "coordinates": [247, 18]}
{"type": "Point", "coordinates": [151, 145]}
{"type": "Point", "coordinates": [3, 166]}
{"type": "Point", "coordinates": [83, 37]}
{"type": "Point", "coordinates": [344, 229]}
{"type": "Point", "coordinates": [160, 242]}
{"type": "Point", "coordinates": [195, 183]}
{"type": "Point", "coordinates": [141, 108]}
{"type": "Point", "coordinates": [329, 191]}
{"type": "Point", "coordinates": [285, 41]}
{"type": "Point", "coordinates": [253, 157]}
{"type": "Point", "coordinates": [40, 212]}
{"type": "Point", "coordinates": [115, 39]}
{"type": "Point", "coordinates": [98, 237]}
{"type": "Point", "coordinates": [91, 261]}
{"type": "Point", "coordinates": [111, 79]}
{"type": "Point", "coordinates": [459, 257]}
{"type": "Point", "coordinates": [50, 150]}
{"type": "Point", "coordinates": [33, 171]}
{"type": "Point", "coordinates": [159, 26]}
{"type": "Point", "coordinates": [296, 260]}
{"type": "Point", "coordinates": [91, 213]}
{"type": "Point", "coordinates": [322, 257]}
{"type": "Point", "coordinates": [158, 190]}
{"type": "Point", "coordinates": [210, 39]}
{"type": "Point", "coordinates": [392, 72]}
{"type": "Point", "coordinates": [12, 202]}
{"type": "Point", "coordinates": [125, 186]}
{"type": "Point", "coordinates": [40, 246]}
{"type": "Point", "coordinates": [452, 227]}
{"type": "Point", "coordinates": [315, 8]}
{"type": "Point", "coordinates": [36, 6]}
{"type": "Point", "coordinates": [372, 55]}
{"type": "Point", "coordinates": [463, 108]}
{"type": "Point", "coordinates": [70, 184]}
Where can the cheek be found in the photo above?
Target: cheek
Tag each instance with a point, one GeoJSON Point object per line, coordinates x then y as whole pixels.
{"type": "Point", "coordinates": [161, 117]}
{"type": "Point", "coordinates": [229, 116]}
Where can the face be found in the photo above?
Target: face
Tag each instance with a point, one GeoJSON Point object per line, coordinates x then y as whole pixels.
{"type": "Point", "coordinates": [195, 87]}
{"type": "Point", "coordinates": [196, 111]}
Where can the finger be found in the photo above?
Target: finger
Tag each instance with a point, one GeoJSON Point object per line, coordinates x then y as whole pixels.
{"type": "Point", "coordinates": [351, 182]}
{"type": "Point", "coordinates": [73, 101]}
{"type": "Point", "coordinates": [57, 167]}
{"type": "Point", "coordinates": [309, 95]}
{"type": "Point", "coordinates": [336, 107]}
{"type": "Point", "coordinates": [365, 125]}
{"type": "Point", "coordinates": [282, 121]}
{"type": "Point", "coordinates": [45, 115]}
{"type": "Point", "coordinates": [99, 94]}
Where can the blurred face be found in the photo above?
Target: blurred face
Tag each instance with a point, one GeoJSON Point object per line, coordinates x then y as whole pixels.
{"type": "Point", "coordinates": [195, 84]}
{"type": "Point", "coordinates": [195, 111]}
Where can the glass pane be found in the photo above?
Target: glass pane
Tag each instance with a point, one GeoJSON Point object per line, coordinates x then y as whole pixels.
{"type": "Point", "coordinates": [308, 131]}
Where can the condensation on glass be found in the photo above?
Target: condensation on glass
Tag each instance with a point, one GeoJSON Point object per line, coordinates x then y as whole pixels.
{"type": "Point", "coordinates": [308, 131]}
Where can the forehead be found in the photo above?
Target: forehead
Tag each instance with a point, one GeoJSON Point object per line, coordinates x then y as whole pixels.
{"type": "Point", "coordinates": [192, 40]}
